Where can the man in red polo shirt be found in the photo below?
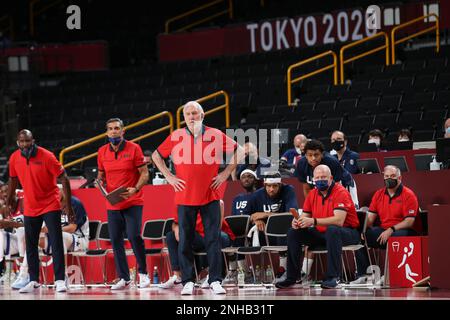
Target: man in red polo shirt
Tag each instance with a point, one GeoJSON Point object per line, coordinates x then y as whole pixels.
{"type": "Point", "coordinates": [121, 164]}
{"type": "Point", "coordinates": [37, 170]}
{"type": "Point", "coordinates": [197, 152]}
{"type": "Point", "coordinates": [396, 206]}
{"type": "Point", "coordinates": [329, 219]}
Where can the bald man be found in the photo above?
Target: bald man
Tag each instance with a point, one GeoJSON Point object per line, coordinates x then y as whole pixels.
{"type": "Point", "coordinates": [37, 170]}
{"type": "Point", "coordinates": [328, 220]}
{"type": "Point", "coordinates": [291, 156]}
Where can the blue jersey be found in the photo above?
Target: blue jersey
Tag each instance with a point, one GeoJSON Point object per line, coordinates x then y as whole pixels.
{"type": "Point", "coordinates": [348, 161]}
{"type": "Point", "coordinates": [304, 171]}
{"type": "Point", "coordinates": [290, 155]}
{"type": "Point", "coordinates": [240, 202]}
{"type": "Point", "coordinates": [81, 219]}
{"type": "Point", "coordinates": [261, 202]}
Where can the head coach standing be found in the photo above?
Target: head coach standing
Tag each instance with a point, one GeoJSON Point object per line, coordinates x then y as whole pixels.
{"type": "Point", "coordinates": [37, 170]}
{"type": "Point", "coordinates": [121, 164]}
{"type": "Point", "coordinates": [197, 151]}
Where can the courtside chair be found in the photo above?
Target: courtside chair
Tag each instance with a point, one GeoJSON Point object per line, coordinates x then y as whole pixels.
{"type": "Point", "coordinates": [239, 225]}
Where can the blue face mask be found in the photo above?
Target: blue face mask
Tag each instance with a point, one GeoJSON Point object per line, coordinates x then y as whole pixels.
{"type": "Point", "coordinates": [447, 131]}
{"type": "Point", "coordinates": [322, 185]}
{"type": "Point", "coordinates": [115, 141]}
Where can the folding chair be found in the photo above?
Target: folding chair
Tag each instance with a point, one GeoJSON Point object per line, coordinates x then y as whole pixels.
{"type": "Point", "coordinates": [154, 231]}
{"type": "Point", "coordinates": [362, 217]}
{"type": "Point", "coordinates": [277, 226]}
{"type": "Point", "coordinates": [239, 225]}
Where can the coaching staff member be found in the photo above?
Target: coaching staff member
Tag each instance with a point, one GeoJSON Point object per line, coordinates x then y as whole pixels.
{"type": "Point", "coordinates": [121, 163]}
{"type": "Point", "coordinates": [37, 170]}
{"type": "Point", "coordinates": [197, 151]}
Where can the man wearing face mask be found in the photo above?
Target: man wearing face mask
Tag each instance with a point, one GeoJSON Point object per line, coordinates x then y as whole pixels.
{"type": "Point", "coordinates": [447, 128]}
{"type": "Point", "coordinates": [396, 206]}
{"type": "Point", "coordinates": [37, 170]}
{"type": "Point", "coordinates": [197, 152]}
{"type": "Point", "coordinates": [346, 157]}
{"type": "Point", "coordinates": [121, 164]}
{"type": "Point", "coordinates": [376, 137]}
{"type": "Point", "coordinates": [329, 219]}
{"type": "Point", "coordinates": [404, 135]}
{"type": "Point", "coordinates": [292, 156]}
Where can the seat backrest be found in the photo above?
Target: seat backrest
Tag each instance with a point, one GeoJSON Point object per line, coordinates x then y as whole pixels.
{"type": "Point", "coordinates": [399, 162]}
{"type": "Point", "coordinates": [362, 218]}
{"type": "Point", "coordinates": [153, 229]}
{"type": "Point", "coordinates": [168, 226]}
{"type": "Point", "coordinates": [94, 228]}
{"type": "Point", "coordinates": [368, 165]}
{"type": "Point", "coordinates": [278, 225]}
{"type": "Point", "coordinates": [103, 233]}
{"type": "Point", "coordinates": [238, 224]}
{"type": "Point", "coordinates": [422, 161]}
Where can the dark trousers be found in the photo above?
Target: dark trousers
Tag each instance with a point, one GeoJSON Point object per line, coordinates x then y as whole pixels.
{"type": "Point", "coordinates": [333, 239]}
{"type": "Point", "coordinates": [187, 217]}
{"type": "Point", "coordinates": [372, 234]}
{"type": "Point", "coordinates": [197, 245]}
{"type": "Point", "coordinates": [33, 227]}
{"type": "Point", "coordinates": [130, 221]}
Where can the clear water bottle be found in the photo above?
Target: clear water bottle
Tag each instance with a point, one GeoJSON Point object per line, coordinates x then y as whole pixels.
{"type": "Point", "coordinates": [155, 275]}
{"type": "Point", "coordinates": [258, 274]}
{"type": "Point", "coordinates": [133, 277]}
{"type": "Point", "coordinates": [241, 278]}
{"type": "Point", "coordinates": [269, 274]}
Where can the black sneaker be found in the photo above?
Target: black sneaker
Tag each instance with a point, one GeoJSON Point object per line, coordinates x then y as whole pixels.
{"type": "Point", "coordinates": [284, 284]}
{"type": "Point", "coordinates": [333, 283]}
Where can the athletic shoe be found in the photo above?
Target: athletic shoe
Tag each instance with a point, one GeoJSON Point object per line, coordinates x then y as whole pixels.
{"type": "Point", "coordinates": [30, 287]}
{"type": "Point", "coordinates": [284, 284]}
{"type": "Point", "coordinates": [60, 286]}
{"type": "Point", "coordinates": [217, 288]}
{"type": "Point", "coordinates": [21, 281]}
{"type": "Point", "coordinates": [282, 277]}
{"type": "Point", "coordinates": [122, 284]}
{"type": "Point", "coordinates": [333, 283]}
{"type": "Point", "coordinates": [144, 280]}
{"type": "Point", "coordinates": [231, 278]}
{"type": "Point", "coordinates": [380, 282]}
{"type": "Point", "coordinates": [188, 289]}
{"type": "Point", "coordinates": [360, 280]}
{"type": "Point", "coordinates": [205, 283]}
{"type": "Point", "coordinates": [169, 284]}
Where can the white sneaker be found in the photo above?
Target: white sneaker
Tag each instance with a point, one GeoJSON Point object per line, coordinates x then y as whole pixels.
{"type": "Point", "coordinates": [144, 280]}
{"type": "Point", "coordinates": [21, 281]}
{"type": "Point", "coordinates": [169, 284]}
{"type": "Point", "coordinates": [281, 278]}
{"type": "Point", "coordinates": [360, 280]}
{"type": "Point", "coordinates": [122, 284]}
{"type": "Point", "coordinates": [205, 283]}
{"type": "Point", "coordinates": [188, 289]}
{"type": "Point", "coordinates": [30, 287]}
{"type": "Point", "coordinates": [380, 282]}
{"type": "Point", "coordinates": [217, 288]}
{"type": "Point", "coordinates": [60, 286]}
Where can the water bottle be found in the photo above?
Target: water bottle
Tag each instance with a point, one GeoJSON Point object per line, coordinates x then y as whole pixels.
{"type": "Point", "coordinates": [434, 165]}
{"type": "Point", "coordinates": [158, 180]}
{"type": "Point", "coordinates": [241, 277]}
{"type": "Point", "coordinates": [269, 274]}
{"type": "Point", "coordinates": [155, 275]}
{"type": "Point", "coordinates": [133, 276]}
{"type": "Point", "coordinates": [258, 274]}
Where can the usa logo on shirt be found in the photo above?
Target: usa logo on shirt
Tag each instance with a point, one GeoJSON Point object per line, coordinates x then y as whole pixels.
{"type": "Point", "coordinates": [411, 211]}
{"type": "Point", "coordinates": [341, 205]}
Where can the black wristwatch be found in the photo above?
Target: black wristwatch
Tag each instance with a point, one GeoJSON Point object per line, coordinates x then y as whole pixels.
{"type": "Point", "coordinates": [393, 229]}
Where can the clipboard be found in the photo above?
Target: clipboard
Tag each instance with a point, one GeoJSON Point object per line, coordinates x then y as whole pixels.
{"type": "Point", "coordinates": [113, 197]}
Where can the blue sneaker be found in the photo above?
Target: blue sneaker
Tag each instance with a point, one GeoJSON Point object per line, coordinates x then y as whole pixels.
{"type": "Point", "coordinates": [332, 283]}
{"type": "Point", "coordinates": [21, 282]}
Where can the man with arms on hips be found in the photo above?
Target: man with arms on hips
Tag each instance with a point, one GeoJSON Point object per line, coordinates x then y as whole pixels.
{"type": "Point", "coordinates": [121, 164]}
{"type": "Point", "coordinates": [37, 170]}
{"type": "Point", "coordinates": [329, 219]}
{"type": "Point", "coordinates": [396, 206]}
{"type": "Point", "coordinates": [197, 152]}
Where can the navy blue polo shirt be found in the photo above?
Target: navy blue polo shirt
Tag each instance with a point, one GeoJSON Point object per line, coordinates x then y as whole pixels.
{"type": "Point", "coordinates": [261, 202]}
{"type": "Point", "coordinates": [290, 155]}
{"type": "Point", "coordinates": [348, 161]}
{"type": "Point", "coordinates": [304, 171]}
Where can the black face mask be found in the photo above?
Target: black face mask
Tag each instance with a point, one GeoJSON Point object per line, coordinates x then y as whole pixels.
{"type": "Point", "coordinates": [390, 183]}
{"type": "Point", "coordinates": [28, 152]}
{"type": "Point", "coordinates": [337, 145]}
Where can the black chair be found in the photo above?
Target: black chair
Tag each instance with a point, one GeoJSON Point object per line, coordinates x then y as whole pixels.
{"type": "Point", "coordinates": [368, 165]}
{"type": "Point", "coordinates": [399, 162]}
{"type": "Point", "coordinates": [390, 146]}
{"type": "Point", "coordinates": [239, 225]}
{"type": "Point", "coordinates": [154, 231]}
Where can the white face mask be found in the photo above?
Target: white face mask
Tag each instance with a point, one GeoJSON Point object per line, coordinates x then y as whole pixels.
{"type": "Point", "coordinates": [299, 151]}
{"type": "Point", "coordinates": [375, 140]}
{"type": "Point", "coordinates": [403, 140]}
